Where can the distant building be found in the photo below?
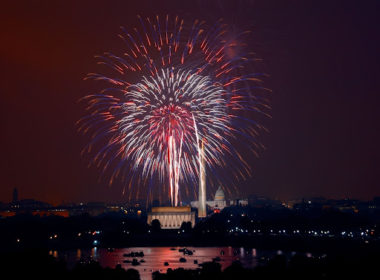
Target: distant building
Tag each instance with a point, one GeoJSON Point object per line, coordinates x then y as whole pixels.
{"type": "Point", "coordinates": [51, 212]}
{"type": "Point", "coordinates": [218, 203]}
{"type": "Point", "coordinates": [239, 202]}
{"type": "Point", "coordinates": [33, 204]}
{"type": "Point", "coordinates": [172, 217]}
{"type": "Point", "coordinates": [93, 209]}
{"type": "Point", "coordinates": [258, 201]}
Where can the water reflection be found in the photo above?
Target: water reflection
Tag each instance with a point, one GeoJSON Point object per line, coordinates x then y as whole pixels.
{"type": "Point", "coordinates": [241, 251]}
{"type": "Point", "coordinates": [79, 254]}
{"type": "Point", "coordinates": [53, 253]}
{"type": "Point", "coordinates": [163, 258]}
{"type": "Point", "coordinates": [94, 253]}
{"type": "Point", "coordinates": [155, 258]}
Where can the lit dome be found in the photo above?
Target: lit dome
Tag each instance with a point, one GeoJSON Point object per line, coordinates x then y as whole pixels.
{"type": "Point", "coordinates": [219, 195]}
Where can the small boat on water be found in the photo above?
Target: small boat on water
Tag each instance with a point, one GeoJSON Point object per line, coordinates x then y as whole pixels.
{"type": "Point", "coordinates": [185, 251]}
{"type": "Point", "coordinates": [216, 259]}
{"type": "Point", "coordinates": [195, 261]}
{"type": "Point", "coordinates": [142, 260]}
{"type": "Point", "coordinates": [166, 264]}
{"type": "Point", "coordinates": [134, 254]}
{"type": "Point", "coordinates": [173, 249]}
{"type": "Point", "coordinates": [127, 261]}
{"type": "Point", "coordinates": [222, 253]}
{"type": "Point", "coordinates": [135, 262]}
{"type": "Point", "coordinates": [182, 260]}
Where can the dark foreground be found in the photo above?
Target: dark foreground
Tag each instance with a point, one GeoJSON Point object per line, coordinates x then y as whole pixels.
{"type": "Point", "coordinates": [39, 265]}
{"type": "Point", "coordinates": [347, 244]}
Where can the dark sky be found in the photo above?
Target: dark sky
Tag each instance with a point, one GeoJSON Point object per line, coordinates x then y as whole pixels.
{"type": "Point", "coordinates": [323, 62]}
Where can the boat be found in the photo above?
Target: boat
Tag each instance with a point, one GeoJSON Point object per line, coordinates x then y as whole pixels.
{"type": "Point", "coordinates": [222, 253]}
{"type": "Point", "coordinates": [185, 251]}
{"type": "Point", "coordinates": [127, 261]}
{"type": "Point", "coordinates": [188, 252]}
{"type": "Point", "coordinates": [135, 262]}
{"type": "Point", "coordinates": [173, 249]}
{"type": "Point", "coordinates": [134, 254]}
{"type": "Point", "coordinates": [182, 260]}
{"type": "Point", "coordinates": [166, 264]}
{"type": "Point", "coordinates": [195, 261]}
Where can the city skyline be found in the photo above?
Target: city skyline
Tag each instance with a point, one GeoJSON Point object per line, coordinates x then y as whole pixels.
{"type": "Point", "coordinates": [210, 202]}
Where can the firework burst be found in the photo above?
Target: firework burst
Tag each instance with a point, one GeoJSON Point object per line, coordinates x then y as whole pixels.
{"type": "Point", "coordinates": [175, 87]}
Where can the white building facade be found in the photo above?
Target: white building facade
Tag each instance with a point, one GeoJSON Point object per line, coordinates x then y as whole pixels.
{"type": "Point", "coordinates": [219, 201]}
{"type": "Point", "coordinates": [172, 217]}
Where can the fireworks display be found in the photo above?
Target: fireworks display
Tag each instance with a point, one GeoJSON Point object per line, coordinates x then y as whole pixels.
{"type": "Point", "coordinates": [175, 88]}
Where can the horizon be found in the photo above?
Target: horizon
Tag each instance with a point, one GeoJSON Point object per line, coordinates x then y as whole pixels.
{"type": "Point", "coordinates": [187, 202]}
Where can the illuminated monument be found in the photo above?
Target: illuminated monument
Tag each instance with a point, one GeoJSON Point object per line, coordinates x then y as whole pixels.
{"type": "Point", "coordinates": [172, 217]}
{"type": "Point", "coordinates": [219, 202]}
{"type": "Point", "coordinates": [202, 213]}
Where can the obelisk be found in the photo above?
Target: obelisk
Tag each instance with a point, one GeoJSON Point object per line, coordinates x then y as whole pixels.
{"type": "Point", "coordinates": [202, 185]}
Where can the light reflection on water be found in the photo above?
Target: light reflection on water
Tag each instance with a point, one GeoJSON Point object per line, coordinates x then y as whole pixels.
{"type": "Point", "coordinates": [79, 254]}
{"type": "Point", "coordinates": [155, 257]}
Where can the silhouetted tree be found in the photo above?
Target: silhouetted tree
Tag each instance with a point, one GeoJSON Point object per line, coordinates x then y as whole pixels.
{"type": "Point", "coordinates": [186, 226]}
{"type": "Point", "coordinates": [156, 226]}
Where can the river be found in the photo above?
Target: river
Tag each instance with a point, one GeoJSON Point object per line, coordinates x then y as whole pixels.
{"type": "Point", "coordinates": [155, 257]}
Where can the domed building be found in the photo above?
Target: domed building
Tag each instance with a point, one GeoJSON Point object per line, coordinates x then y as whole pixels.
{"type": "Point", "coordinates": [218, 203]}
{"type": "Point", "coordinates": [219, 195]}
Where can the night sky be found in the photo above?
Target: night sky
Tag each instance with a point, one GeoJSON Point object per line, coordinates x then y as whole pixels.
{"type": "Point", "coordinates": [322, 58]}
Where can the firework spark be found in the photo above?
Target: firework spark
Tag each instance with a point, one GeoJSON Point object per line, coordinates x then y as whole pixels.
{"type": "Point", "coordinates": [175, 86]}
